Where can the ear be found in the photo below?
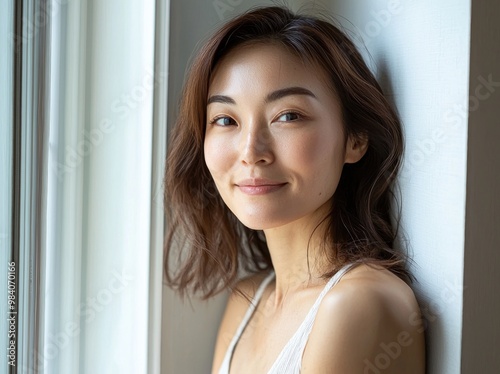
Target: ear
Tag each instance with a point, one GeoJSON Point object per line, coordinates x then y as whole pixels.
{"type": "Point", "coordinates": [356, 148]}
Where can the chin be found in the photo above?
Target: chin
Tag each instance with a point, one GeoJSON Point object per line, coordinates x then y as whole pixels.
{"type": "Point", "coordinates": [252, 223]}
{"type": "Point", "coordinates": [261, 222]}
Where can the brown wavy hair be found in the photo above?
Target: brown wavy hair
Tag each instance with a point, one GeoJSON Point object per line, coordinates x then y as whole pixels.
{"type": "Point", "coordinates": [206, 246]}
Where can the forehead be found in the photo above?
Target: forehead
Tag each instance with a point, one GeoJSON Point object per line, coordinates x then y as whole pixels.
{"type": "Point", "coordinates": [265, 64]}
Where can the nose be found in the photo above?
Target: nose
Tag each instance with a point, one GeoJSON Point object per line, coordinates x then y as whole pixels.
{"type": "Point", "coordinates": [256, 147]}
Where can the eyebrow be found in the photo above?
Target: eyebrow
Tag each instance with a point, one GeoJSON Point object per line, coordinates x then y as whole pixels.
{"type": "Point", "coordinates": [273, 96]}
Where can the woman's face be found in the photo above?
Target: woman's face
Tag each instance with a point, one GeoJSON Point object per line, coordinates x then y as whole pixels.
{"type": "Point", "coordinates": [274, 141]}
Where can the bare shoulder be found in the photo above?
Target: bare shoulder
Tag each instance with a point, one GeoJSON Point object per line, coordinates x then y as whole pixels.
{"type": "Point", "coordinates": [368, 323]}
{"type": "Point", "coordinates": [237, 305]}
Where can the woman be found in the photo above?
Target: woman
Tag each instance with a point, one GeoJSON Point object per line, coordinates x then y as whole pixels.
{"type": "Point", "coordinates": [281, 164]}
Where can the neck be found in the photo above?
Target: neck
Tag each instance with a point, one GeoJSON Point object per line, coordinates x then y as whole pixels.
{"type": "Point", "coordinates": [290, 247]}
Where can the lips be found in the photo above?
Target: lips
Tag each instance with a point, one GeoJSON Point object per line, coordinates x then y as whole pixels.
{"type": "Point", "coordinates": [259, 186]}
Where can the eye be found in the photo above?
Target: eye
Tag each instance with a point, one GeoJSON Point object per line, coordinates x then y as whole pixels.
{"type": "Point", "coordinates": [223, 121]}
{"type": "Point", "coordinates": [288, 117]}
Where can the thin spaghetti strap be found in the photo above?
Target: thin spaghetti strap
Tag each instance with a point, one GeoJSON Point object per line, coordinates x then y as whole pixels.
{"type": "Point", "coordinates": [224, 369]}
{"type": "Point", "coordinates": [290, 358]}
{"type": "Point", "coordinates": [253, 305]}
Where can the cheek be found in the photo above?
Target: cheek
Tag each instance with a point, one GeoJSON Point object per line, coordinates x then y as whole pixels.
{"type": "Point", "coordinates": [318, 159]}
{"type": "Point", "coordinates": [217, 156]}
{"type": "Point", "coordinates": [315, 152]}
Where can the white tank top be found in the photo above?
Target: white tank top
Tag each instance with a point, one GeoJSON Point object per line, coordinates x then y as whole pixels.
{"type": "Point", "coordinates": [289, 360]}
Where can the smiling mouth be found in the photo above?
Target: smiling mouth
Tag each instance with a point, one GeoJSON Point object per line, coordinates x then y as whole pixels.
{"type": "Point", "coordinates": [260, 189]}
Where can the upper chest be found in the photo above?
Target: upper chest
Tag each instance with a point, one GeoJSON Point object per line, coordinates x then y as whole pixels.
{"type": "Point", "coordinates": [268, 331]}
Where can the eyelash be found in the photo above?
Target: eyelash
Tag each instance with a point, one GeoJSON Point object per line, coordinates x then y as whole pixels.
{"type": "Point", "coordinates": [299, 117]}
{"type": "Point", "coordinates": [214, 121]}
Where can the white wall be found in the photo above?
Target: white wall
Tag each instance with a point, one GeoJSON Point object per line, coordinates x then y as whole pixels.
{"type": "Point", "coordinates": [420, 53]}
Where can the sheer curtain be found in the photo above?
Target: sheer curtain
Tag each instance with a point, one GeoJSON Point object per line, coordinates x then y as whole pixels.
{"type": "Point", "coordinates": [92, 134]}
